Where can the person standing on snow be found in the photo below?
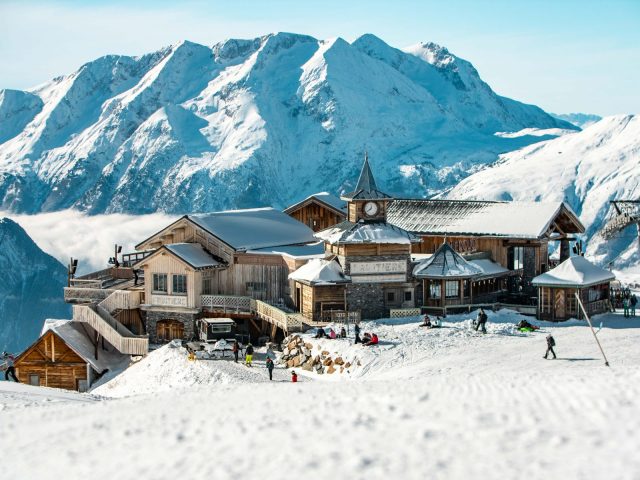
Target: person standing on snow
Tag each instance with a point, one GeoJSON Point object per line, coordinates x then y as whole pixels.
{"type": "Point", "coordinates": [11, 369]}
{"type": "Point", "coordinates": [248, 357]}
{"type": "Point", "coordinates": [236, 350]}
{"type": "Point", "coordinates": [481, 321]}
{"type": "Point", "coordinates": [550, 344]}
{"type": "Point", "coordinates": [270, 367]}
{"type": "Point", "coordinates": [633, 301]}
{"type": "Point", "coordinates": [356, 328]}
{"type": "Point", "coordinates": [625, 305]}
{"type": "Point", "coordinates": [294, 376]}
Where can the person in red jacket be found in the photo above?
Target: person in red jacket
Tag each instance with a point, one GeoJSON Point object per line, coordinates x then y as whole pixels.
{"type": "Point", "coordinates": [294, 376]}
{"type": "Point", "coordinates": [372, 341]}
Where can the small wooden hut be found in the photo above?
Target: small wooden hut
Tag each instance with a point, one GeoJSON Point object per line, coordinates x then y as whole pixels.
{"type": "Point", "coordinates": [557, 288]}
{"type": "Point", "coordinates": [67, 355]}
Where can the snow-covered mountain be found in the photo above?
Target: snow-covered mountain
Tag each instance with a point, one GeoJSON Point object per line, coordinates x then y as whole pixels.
{"type": "Point", "coordinates": [252, 122]}
{"type": "Point", "coordinates": [582, 120]}
{"type": "Point", "coordinates": [31, 288]}
{"type": "Point", "coordinates": [587, 169]}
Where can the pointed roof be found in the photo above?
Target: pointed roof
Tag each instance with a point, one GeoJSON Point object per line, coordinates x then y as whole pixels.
{"type": "Point", "coordinates": [366, 189]}
{"type": "Point", "coordinates": [577, 272]}
{"type": "Point", "coordinates": [446, 263]}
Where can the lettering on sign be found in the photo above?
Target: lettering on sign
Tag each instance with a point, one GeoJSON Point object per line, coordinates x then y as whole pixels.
{"type": "Point", "coordinates": [376, 268]}
{"type": "Point", "coordinates": [169, 300]}
{"type": "Point", "coordinates": [395, 277]}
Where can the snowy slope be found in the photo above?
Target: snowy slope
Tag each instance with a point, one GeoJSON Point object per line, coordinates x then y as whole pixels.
{"type": "Point", "coordinates": [251, 122]}
{"type": "Point", "coordinates": [587, 169]}
{"type": "Point", "coordinates": [441, 404]}
{"type": "Point", "coordinates": [31, 288]}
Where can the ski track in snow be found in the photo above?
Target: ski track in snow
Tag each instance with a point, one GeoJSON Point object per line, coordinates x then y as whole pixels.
{"type": "Point", "coordinates": [447, 403]}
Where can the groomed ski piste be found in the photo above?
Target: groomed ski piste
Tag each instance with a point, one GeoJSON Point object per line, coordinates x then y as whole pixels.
{"type": "Point", "coordinates": [424, 403]}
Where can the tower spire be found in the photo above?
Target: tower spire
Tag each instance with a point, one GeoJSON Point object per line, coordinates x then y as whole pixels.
{"type": "Point", "coordinates": [366, 187]}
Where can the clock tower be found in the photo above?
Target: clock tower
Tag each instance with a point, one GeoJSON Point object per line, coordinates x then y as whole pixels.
{"type": "Point", "coordinates": [366, 203]}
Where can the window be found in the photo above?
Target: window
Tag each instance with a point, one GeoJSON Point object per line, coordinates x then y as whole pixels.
{"type": "Point", "coordinates": [159, 283]}
{"type": "Point", "coordinates": [179, 285]}
{"type": "Point", "coordinates": [516, 258]}
{"type": "Point", "coordinates": [391, 296]}
{"type": "Point", "coordinates": [407, 296]}
{"type": "Point", "coordinates": [451, 289]}
{"type": "Point", "coordinates": [434, 290]}
{"type": "Point", "coordinates": [34, 380]}
{"type": "Point", "coordinates": [206, 286]}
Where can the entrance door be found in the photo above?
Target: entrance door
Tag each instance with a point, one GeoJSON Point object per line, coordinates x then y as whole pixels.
{"type": "Point", "coordinates": [167, 330]}
{"type": "Point", "coordinates": [559, 305]}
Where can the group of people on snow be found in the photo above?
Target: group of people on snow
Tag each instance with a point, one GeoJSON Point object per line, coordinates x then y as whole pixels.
{"type": "Point", "coordinates": [321, 333]}
{"type": "Point", "coordinates": [428, 323]}
{"type": "Point", "coordinates": [629, 305]}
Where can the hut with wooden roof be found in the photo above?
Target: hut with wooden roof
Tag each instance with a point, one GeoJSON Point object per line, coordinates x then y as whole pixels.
{"type": "Point", "coordinates": [319, 211]}
{"type": "Point", "coordinates": [558, 287]}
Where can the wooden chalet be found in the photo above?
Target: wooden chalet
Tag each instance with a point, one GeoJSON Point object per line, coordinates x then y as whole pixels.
{"type": "Point", "coordinates": [67, 355]}
{"type": "Point", "coordinates": [558, 287]}
{"type": "Point", "coordinates": [370, 261]}
{"type": "Point", "coordinates": [319, 211]}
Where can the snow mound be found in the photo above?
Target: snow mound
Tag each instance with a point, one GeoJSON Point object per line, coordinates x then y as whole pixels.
{"type": "Point", "coordinates": [168, 369]}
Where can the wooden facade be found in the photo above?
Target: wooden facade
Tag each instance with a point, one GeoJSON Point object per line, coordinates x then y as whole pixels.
{"type": "Point", "coordinates": [50, 362]}
{"type": "Point", "coordinates": [316, 215]}
{"type": "Point", "coordinates": [318, 301]}
{"type": "Point", "coordinates": [557, 304]}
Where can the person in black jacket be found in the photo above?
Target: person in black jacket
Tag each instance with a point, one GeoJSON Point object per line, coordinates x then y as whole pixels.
{"type": "Point", "coordinates": [357, 330]}
{"type": "Point", "coordinates": [550, 344]}
{"type": "Point", "coordinates": [248, 355]}
{"type": "Point", "coordinates": [270, 366]}
{"type": "Point", "coordinates": [481, 321]}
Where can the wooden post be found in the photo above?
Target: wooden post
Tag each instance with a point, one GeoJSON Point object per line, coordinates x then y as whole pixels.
{"type": "Point", "coordinates": [606, 362]}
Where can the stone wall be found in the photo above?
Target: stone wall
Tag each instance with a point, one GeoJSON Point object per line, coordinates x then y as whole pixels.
{"type": "Point", "coordinates": [151, 320]}
{"type": "Point", "coordinates": [368, 298]}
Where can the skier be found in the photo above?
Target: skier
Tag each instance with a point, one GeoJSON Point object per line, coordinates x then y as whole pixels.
{"type": "Point", "coordinates": [10, 367]}
{"type": "Point", "coordinates": [270, 366]}
{"type": "Point", "coordinates": [236, 350]}
{"type": "Point", "coordinates": [633, 301]}
{"type": "Point", "coordinates": [625, 305]}
{"type": "Point", "coordinates": [356, 328]}
{"type": "Point", "coordinates": [248, 357]}
{"type": "Point", "coordinates": [550, 344]}
{"type": "Point", "coordinates": [294, 376]}
{"type": "Point", "coordinates": [481, 321]}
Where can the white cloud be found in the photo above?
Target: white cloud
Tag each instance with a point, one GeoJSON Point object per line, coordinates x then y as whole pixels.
{"type": "Point", "coordinates": [91, 239]}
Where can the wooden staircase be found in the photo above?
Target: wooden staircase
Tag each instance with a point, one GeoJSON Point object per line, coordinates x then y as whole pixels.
{"type": "Point", "coordinates": [100, 318]}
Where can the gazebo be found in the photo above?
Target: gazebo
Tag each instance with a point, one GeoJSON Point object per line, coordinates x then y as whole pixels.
{"type": "Point", "coordinates": [557, 288]}
{"type": "Point", "coordinates": [446, 278]}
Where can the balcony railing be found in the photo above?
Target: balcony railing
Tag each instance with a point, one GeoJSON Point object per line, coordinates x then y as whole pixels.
{"type": "Point", "coordinates": [287, 321]}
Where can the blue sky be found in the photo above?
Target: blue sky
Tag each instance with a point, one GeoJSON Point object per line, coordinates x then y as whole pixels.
{"type": "Point", "coordinates": [562, 55]}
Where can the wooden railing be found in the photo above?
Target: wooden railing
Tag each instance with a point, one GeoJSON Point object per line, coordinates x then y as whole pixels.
{"type": "Point", "coordinates": [287, 321]}
{"type": "Point", "coordinates": [121, 300]}
{"type": "Point", "coordinates": [113, 331]}
{"type": "Point", "coordinates": [229, 303]}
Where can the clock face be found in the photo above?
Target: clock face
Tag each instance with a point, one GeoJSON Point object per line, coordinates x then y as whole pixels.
{"type": "Point", "coordinates": [370, 209]}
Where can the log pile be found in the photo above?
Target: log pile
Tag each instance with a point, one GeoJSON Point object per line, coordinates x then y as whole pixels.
{"type": "Point", "coordinates": [299, 354]}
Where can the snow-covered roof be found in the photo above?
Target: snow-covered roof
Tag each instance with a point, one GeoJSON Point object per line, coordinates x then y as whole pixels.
{"type": "Point", "coordinates": [310, 250]}
{"type": "Point", "coordinates": [320, 272]}
{"type": "Point", "coordinates": [366, 232]}
{"type": "Point", "coordinates": [77, 339]}
{"type": "Point", "coordinates": [574, 272]}
{"type": "Point", "coordinates": [446, 263]}
{"type": "Point", "coordinates": [466, 217]}
{"type": "Point", "coordinates": [193, 254]}
{"type": "Point", "coordinates": [326, 198]}
{"type": "Point", "coordinates": [489, 268]}
{"type": "Point", "coordinates": [219, 321]}
{"type": "Point", "coordinates": [254, 228]}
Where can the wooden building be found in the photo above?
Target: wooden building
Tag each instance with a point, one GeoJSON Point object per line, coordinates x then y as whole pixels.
{"type": "Point", "coordinates": [558, 287]}
{"type": "Point", "coordinates": [67, 355]}
{"type": "Point", "coordinates": [319, 211]}
{"type": "Point", "coordinates": [373, 256]}
{"type": "Point", "coordinates": [515, 235]}
{"type": "Point", "coordinates": [450, 280]}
